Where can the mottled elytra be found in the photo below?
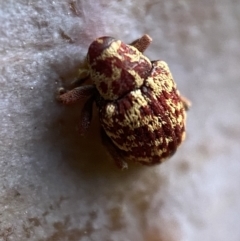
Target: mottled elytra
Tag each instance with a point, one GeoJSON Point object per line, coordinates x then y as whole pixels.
{"type": "Point", "coordinates": [141, 112]}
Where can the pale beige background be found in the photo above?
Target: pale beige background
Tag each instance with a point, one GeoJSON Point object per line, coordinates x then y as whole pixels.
{"type": "Point", "coordinates": [56, 186]}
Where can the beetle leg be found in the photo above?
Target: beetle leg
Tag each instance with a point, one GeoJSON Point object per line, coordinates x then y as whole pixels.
{"type": "Point", "coordinates": [113, 151]}
{"type": "Point", "coordinates": [78, 82]}
{"type": "Point", "coordinates": [186, 103]}
{"type": "Point", "coordinates": [83, 75]}
{"type": "Point", "coordinates": [74, 95]}
{"type": "Point", "coordinates": [142, 43]}
{"type": "Point", "coordinates": [86, 116]}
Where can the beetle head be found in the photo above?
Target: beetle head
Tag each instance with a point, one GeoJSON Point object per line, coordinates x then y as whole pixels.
{"type": "Point", "coordinates": [116, 68]}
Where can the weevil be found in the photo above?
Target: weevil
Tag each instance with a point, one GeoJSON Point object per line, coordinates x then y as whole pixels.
{"type": "Point", "coordinates": [141, 112]}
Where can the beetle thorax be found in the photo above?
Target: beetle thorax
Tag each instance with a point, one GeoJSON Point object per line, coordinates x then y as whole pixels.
{"type": "Point", "coordinates": [116, 68]}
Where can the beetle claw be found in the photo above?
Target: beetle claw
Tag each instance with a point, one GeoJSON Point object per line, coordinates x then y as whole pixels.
{"type": "Point", "coordinates": [186, 102]}
{"type": "Point", "coordinates": [61, 91]}
{"type": "Point", "coordinates": [121, 164]}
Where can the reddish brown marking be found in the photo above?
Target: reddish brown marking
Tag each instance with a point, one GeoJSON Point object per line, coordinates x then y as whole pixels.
{"type": "Point", "coordinates": [104, 66]}
{"type": "Point", "coordinates": [126, 83]}
{"type": "Point", "coordinates": [103, 87]}
{"type": "Point", "coordinates": [177, 112]}
{"type": "Point", "coordinates": [145, 110]}
{"type": "Point", "coordinates": [156, 71]}
{"type": "Point", "coordinates": [115, 87]}
{"type": "Point", "coordinates": [141, 67]}
{"type": "Point", "coordinates": [122, 51]}
{"type": "Point", "coordinates": [166, 94]}
{"type": "Point", "coordinates": [96, 48]}
{"type": "Point", "coordinates": [125, 49]}
{"type": "Point", "coordinates": [179, 131]}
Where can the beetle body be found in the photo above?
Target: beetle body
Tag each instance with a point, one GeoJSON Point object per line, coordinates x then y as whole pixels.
{"type": "Point", "coordinates": [141, 112]}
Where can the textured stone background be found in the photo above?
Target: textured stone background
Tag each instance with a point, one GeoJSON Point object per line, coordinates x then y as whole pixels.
{"type": "Point", "coordinates": [56, 186]}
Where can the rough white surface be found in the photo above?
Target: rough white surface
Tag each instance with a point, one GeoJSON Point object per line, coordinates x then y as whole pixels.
{"type": "Point", "coordinates": [55, 185]}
